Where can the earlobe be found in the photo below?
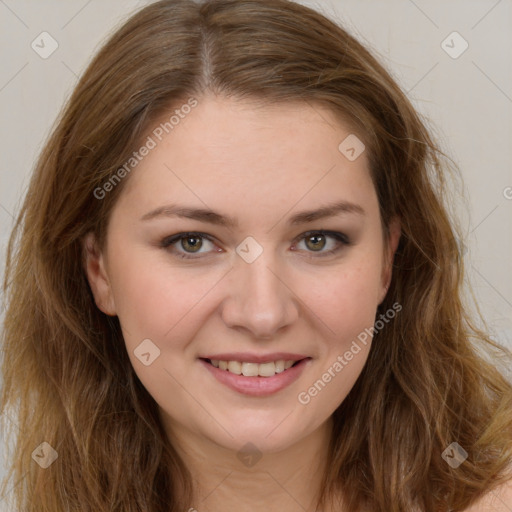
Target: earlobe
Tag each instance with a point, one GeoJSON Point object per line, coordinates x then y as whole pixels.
{"type": "Point", "coordinates": [393, 240]}
{"type": "Point", "coordinates": [94, 264]}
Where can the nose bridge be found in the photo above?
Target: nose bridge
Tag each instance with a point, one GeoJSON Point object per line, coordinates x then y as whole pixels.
{"type": "Point", "coordinates": [258, 299]}
{"type": "Point", "coordinates": [262, 283]}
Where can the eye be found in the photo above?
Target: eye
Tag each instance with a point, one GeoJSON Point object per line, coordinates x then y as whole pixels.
{"type": "Point", "coordinates": [317, 241]}
{"type": "Point", "coordinates": [191, 243]}
{"type": "Point", "coordinates": [185, 245]}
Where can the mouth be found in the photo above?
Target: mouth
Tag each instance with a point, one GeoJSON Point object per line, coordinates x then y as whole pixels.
{"type": "Point", "coordinates": [257, 379]}
{"type": "Point", "coordinates": [252, 369]}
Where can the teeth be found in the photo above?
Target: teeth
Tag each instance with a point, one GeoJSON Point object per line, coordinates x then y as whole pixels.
{"type": "Point", "coordinates": [250, 369]}
{"type": "Point", "coordinates": [253, 369]}
{"type": "Point", "coordinates": [235, 367]}
{"type": "Point", "coordinates": [279, 365]}
{"type": "Point", "coordinates": [267, 369]}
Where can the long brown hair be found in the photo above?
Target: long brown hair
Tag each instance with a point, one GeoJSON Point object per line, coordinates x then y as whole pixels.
{"type": "Point", "coordinates": [67, 379]}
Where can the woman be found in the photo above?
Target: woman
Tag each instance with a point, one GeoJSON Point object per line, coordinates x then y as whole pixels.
{"type": "Point", "coordinates": [236, 285]}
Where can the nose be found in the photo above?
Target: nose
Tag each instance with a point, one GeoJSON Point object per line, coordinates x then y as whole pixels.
{"type": "Point", "coordinates": [259, 298]}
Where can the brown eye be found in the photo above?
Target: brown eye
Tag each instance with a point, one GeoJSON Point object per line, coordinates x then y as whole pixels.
{"type": "Point", "coordinates": [315, 242]}
{"type": "Point", "coordinates": [324, 243]}
{"type": "Point", "coordinates": [191, 243]}
{"type": "Point", "coordinates": [184, 244]}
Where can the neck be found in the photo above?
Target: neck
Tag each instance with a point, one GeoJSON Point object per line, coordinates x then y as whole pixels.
{"type": "Point", "coordinates": [288, 480]}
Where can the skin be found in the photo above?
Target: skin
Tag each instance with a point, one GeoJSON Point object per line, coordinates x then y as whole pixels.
{"type": "Point", "coordinates": [259, 165]}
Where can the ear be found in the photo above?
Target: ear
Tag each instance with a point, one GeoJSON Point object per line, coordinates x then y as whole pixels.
{"type": "Point", "coordinates": [392, 244]}
{"type": "Point", "coordinates": [95, 268]}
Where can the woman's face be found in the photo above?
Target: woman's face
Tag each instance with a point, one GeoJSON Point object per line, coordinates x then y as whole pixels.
{"type": "Point", "coordinates": [260, 285]}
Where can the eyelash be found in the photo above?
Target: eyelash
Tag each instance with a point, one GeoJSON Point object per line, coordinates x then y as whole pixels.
{"type": "Point", "coordinates": [342, 239]}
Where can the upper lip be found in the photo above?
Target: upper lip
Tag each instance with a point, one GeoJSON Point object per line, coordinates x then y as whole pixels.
{"type": "Point", "coordinates": [247, 357]}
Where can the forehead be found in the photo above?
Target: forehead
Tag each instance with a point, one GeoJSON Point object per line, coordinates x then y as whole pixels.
{"type": "Point", "coordinates": [242, 153]}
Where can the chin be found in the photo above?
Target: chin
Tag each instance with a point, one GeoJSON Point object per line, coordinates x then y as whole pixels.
{"type": "Point", "coordinates": [266, 435]}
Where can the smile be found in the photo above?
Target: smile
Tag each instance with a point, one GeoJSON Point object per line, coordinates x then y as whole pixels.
{"type": "Point", "coordinates": [256, 379]}
{"type": "Point", "coordinates": [254, 369]}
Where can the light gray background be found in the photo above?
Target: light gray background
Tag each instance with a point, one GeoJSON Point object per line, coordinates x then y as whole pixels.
{"type": "Point", "coordinates": [468, 101]}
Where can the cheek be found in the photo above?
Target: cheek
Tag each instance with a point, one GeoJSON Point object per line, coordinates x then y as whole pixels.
{"type": "Point", "coordinates": [345, 299]}
{"type": "Point", "coordinates": [156, 301]}
{"type": "Point", "coordinates": [159, 309]}
{"type": "Point", "coordinates": [344, 305]}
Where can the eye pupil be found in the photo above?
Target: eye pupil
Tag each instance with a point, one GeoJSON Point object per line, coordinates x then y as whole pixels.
{"type": "Point", "coordinates": [315, 238]}
{"type": "Point", "coordinates": [190, 241]}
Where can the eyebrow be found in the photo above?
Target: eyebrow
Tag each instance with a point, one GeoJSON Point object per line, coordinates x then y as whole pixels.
{"type": "Point", "coordinates": [212, 217]}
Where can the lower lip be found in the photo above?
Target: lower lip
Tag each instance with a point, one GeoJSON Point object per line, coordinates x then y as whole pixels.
{"type": "Point", "coordinates": [257, 386]}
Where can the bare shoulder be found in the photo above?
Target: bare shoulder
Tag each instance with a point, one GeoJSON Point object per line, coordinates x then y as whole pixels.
{"type": "Point", "coordinates": [498, 500]}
